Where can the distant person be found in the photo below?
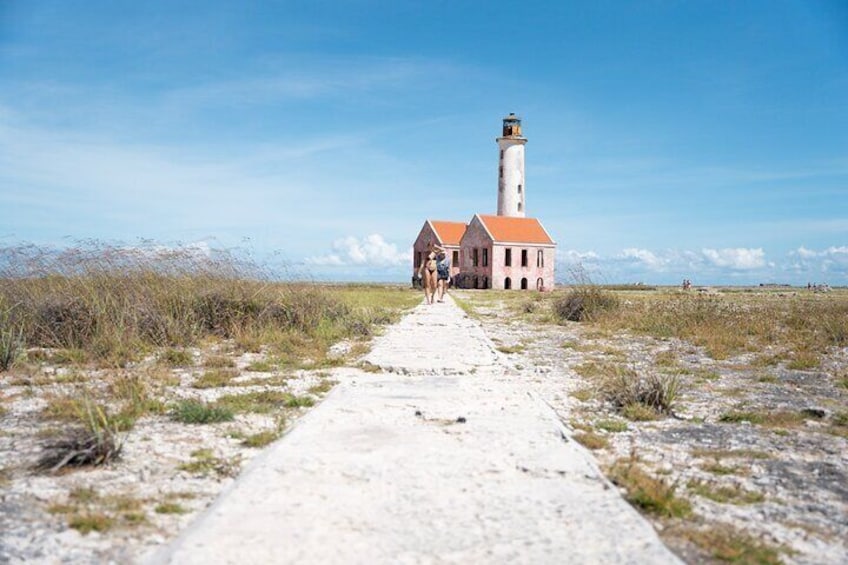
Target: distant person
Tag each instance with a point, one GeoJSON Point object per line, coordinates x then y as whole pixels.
{"type": "Point", "coordinates": [442, 272]}
{"type": "Point", "coordinates": [427, 274]}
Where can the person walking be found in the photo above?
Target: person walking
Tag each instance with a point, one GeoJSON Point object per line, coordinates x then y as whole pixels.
{"type": "Point", "coordinates": [427, 274]}
{"type": "Point", "coordinates": [442, 273]}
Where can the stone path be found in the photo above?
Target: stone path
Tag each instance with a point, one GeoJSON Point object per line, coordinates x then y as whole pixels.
{"type": "Point", "coordinates": [444, 456]}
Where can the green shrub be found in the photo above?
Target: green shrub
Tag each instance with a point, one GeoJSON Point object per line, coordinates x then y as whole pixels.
{"type": "Point", "coordinates": [626, 388]}
{"type": "Point", "coordinates": [261, 439]}
{"type": "Point", "coordinates": [11, 340]}
{"type": "Point", "coordinates": [197, 412]}
{"type": "Point", "coordinates": [584, 303]}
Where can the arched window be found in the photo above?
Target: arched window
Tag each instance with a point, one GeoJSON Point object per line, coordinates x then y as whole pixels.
{"type": "Point", "coordinates": [507, 283]}
{"type": "Point", "coordinates": [519, 206]}
{"type": "Point", "coordinates": [524, 283]}
{"type": "Point", "coordinates": [540, 284]}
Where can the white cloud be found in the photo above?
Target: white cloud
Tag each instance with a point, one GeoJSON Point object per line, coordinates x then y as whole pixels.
{"type": "Point", "coordinates": [574, 256]}
{"type": "Point", "coordinates": [832, 252]}
{"type": "Point", "coordinates": [736, 258]}
{"type": "Point", "coordinates": [830, 262]}
{"type": "Point", "coordinates": [644, 256]}
{"type": "Point", "coordinates": [370, 250]}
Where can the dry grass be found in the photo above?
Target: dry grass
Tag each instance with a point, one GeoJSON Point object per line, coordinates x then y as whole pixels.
{"type": "Point", "coordinates": [584, 303]}
{"type": "Point", "coordinates": [205, 462]}
{"type": "Point", "coordinates": [88, 511]}
{"type": "Point", "coordinates": [728, 324]}
{"type": "Point", "coordinates": [768, 418]}
{"type": "Point", "coordinates": [111, 305]}
{"type": "Point", "coordinates": [726, 494]}
{"type": "Point", "coordinates": [651, 495]}
{"type": "Point", "coordinates": [729, 545]}
{"type": "Point", "coordinates": [215, 378]}
{"type": "Point", "coordinates": [591, 440]}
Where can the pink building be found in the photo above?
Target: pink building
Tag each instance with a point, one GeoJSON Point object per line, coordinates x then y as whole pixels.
{"type": "Point", "coordinates": [446, 235]}
{"type": "Point", "coordinates": [506, 251]}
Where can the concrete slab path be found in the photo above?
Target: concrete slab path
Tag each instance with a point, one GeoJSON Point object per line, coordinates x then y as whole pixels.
{"type": "Point", "coordinates": [445, 456]}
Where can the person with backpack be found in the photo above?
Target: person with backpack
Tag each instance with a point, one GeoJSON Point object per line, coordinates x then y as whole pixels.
{"type": "Point", "coordinates": [442, 273]}
{"type": "Point", "coordinates": [427, 272]}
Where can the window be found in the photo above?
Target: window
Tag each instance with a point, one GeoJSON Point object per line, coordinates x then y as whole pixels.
{"type": "Point", "coordinates": [474, 259]}
{"type": "Point", "coordinates": [540, 258]}
{"type": "Point", "coordinates": [508, 257]}
{"type": "Point", "coordinates": [524, 284]}
{"type": "Point", "coordinates": [417, 261]}
{"type": "Point", "coordinates": [540, 284]}
{"type": "Point", "coordinates": [485, 257]}
{"type": "Point", "coordinates": [501, 154]}
{"type": "Point", "coordinates": [500, 172]}
{"type": "Point", "coordinates": [523, 257]}
{"type": "Point", "coordinates": [519, 206]}
{"type": "Point", "coordinates": [485, 282]}
{"type": "Point", "coordinates": [519, 189]}
{"type": "Point", "coordinates": [507, 283]}
{"type": "Point", "coordinates": [455, 260]}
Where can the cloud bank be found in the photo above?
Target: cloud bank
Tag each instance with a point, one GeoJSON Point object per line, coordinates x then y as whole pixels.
{"type": "Point", "coordinates": [732, 265]}
{"type": "Point", "coordinates": [372, 249]}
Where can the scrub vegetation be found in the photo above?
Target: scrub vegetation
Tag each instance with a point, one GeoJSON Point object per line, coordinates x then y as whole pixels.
{"type": "Point", "coordinates": [705, 408]}
{"type": "Point", "coordinates": [173, 366]}
{"type": "Point", "coordinates": [112, 306]}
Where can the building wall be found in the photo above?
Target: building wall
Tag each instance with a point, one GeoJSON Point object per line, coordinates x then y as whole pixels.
{"type": "Point", "coordinates": [479, 276]}
{"type": "Point", "coordinates": [516, 272]}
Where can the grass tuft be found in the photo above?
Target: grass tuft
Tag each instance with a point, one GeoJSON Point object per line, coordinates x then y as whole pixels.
{"type": "Point", "coordinates": [215, 378]}
{"type": "Point", "coordinates": [584, 303]}
{"type": "Point", "coordinates": [724, 494]}
{"type": "Point", "coordinates": [197, 412]}
{"type": "Point", "coordinates": [261, 439]}
{"type": "Point", "coordinates": [650, 495]}
{"type": "Point", "coordinates": [205, 462]}
{"type": "Point", "coordinates": [591, 440]}
{"type": "Point", "coordinates": [172, 357]}
{"type": "Point", "coordinates": [94, 441]}
{"type": "Point", "coordinates": [170, 508]}
{"type": "Point", "coordinates": [729, 545]}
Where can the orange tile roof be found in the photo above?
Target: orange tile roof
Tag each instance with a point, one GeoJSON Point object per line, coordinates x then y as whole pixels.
{"type": "Point", "coordinates": [449, 233]}
{"type": "Point", "coordinates": [517, 230]}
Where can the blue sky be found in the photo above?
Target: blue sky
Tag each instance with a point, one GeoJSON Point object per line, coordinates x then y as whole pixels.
{"type": "Point", "coordinates": [705, 140]}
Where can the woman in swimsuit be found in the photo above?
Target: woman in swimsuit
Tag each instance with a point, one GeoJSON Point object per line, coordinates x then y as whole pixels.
{"type": "Point", "coordinates": [427, 272]}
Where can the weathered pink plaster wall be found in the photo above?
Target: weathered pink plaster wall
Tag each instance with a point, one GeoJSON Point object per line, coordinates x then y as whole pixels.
{"type": "Point", "coordinates": [515, 272]}
{"type": "Point", "coordinates": [476, 237]}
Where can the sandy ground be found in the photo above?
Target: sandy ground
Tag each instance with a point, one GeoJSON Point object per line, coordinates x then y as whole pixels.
{"type": "Point", "coordinates": [444, 455]}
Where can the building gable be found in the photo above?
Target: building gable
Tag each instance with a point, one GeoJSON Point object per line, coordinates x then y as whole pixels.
{"type": "Point", "coordinates": [448, 233]}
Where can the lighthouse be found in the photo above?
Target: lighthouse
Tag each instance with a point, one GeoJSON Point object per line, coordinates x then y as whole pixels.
{"type": "Point", "coordinates": [511, 187]}
{"type": "Point", "coordinates": [507, 251]}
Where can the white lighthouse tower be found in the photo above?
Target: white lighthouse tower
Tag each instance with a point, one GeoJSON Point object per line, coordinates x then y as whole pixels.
{"type": "Point", "coordinates": [511, 169]}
